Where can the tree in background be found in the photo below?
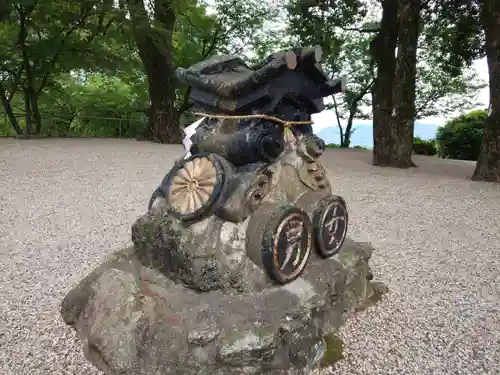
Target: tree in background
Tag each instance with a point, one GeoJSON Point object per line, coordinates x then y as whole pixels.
{"type": "Point", "coordinates": [92, 37]}
{"type": "Point", "coordinates": [153, 34]}
{"type": "Point", "coordinates": [346, 33]}
{"type": "Point", "coordinates": [181, 33]}
{"type": "Point", "coordinates": [439, 93]}
{"type": "Point", "coordinates": [394, 88]}
{"type": "Point", "coordinates": [353, 61]}
{"type": "Point", "coordinates": [39, 40]}
{"type": "Point", "coordinates": [471, 31]}
{"type": "Point", "coordinates": [329, 25]}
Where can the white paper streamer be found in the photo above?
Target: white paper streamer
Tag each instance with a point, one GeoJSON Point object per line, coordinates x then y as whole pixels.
{"type": "Point", "coordinates": [189, 132]}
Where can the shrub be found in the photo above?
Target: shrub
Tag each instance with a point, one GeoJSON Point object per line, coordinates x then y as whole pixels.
{"type": "Point", "coordinates": [424, 147]}
{"type": "Point", "coordinates": [336, 145]}
{"type": "Point", "coordinates": [361, 148]}
{"type": "Point", "coordinates": [460, 138]}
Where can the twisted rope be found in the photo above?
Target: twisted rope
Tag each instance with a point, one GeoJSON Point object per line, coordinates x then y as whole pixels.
{"type": "Point", "coordinates": [286, 124]}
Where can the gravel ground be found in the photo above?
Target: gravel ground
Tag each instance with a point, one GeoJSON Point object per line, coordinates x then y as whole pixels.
{"type": "Point", "coordinates": [66, 204]}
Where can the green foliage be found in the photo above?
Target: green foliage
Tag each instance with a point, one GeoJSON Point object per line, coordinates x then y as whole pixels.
{"type": "Point", "coordinates": [102, 106]}
{"type": "Point", "coordinates": [42, 39]}
{"type": "Point", "coordinates": [424, 146]}
{"type": "Point", "coordinates": [84, 73]}
{"type": "Point", "coordinates": [6, 129]}
{"type": "Point", "coordinates": [461, 137]}
{"type": "Point", "coordinates": [449, 41]}
{"type": "Point", "coordinates": [88, 105]}
{"type": "Point", "coordinates": [454, 28]}
{"type": "Point", "coordinates": [242, 25]}
{"type": "Point", "coordinates": [75, 63]}
{"type": "Point", "coordinates": [318, 22]}
{"type": "Point", "coordinates": [345, 30]}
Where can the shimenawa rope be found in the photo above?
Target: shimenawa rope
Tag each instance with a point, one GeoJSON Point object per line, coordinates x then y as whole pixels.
{"type": "Point", "coordinates": [285, 123]}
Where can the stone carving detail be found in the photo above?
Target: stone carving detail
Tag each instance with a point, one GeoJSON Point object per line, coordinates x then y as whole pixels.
{"type": "Point", "coordinates": [241, 264]}
{"type": "Point", "coordinates": [330, 223]}
{"type": "Point", "coordinates": [240, 155]}
{"type": "Point", "coordinates": [280, 239]}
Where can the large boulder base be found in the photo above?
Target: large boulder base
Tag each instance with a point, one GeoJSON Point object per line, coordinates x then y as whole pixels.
{"type": "Point", "coordinates": [135, 320]}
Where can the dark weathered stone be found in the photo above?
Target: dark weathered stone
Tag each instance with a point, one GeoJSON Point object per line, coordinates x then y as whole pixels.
{"type": "Point", "coordinates": [134, 320]}
{"type": "Point", "coordinates": [203, 333]}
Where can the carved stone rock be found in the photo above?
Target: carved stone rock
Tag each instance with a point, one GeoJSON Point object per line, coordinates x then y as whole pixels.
{"type": "Point", "coordinates": [135, 317]}
{"type": "Point", "coordinates": [241, 264]}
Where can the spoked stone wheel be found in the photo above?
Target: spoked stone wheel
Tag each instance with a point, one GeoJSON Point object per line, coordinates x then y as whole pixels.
{"type": "Point", "coordinates": [194, 186]}
{"type": "Point", "coordinates": [279, 239]}
{"type": "Point", "coordinates": [330, 222]}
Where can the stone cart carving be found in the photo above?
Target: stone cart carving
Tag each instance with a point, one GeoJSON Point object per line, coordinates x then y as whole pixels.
{"type": "Point", "coordinates": [264, 181]}
{"type": "Point", "coordinates": [241, 264]}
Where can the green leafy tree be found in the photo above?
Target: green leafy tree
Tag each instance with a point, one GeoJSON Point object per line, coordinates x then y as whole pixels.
{"type": "Point", "coordinates": [470, 30]}
{"type": "Point", "coordinates": [439, 93]}
{"type": "Point", "coordinates": [100, 105]}
{"type": "Point", "coordinates": [182, 33]}
{"type": "Point", "coordinates": [41, 39]}
{"type": "Point", "coordinates": [424, 146]}
{"type": "Point", "coordinates": [395, 82]}
{"type": "Point", "coordinates": [438, 90]}
{"type": "Point", "coordinates": [354, 62]}
{"type": "Point", "coordinates": [460, 138]}
{"type": "Point", "coordinates": [153, 31]}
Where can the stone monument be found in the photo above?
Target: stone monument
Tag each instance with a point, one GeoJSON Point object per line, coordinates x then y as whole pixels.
{"type": "Point", "coordinates": [241, 264]}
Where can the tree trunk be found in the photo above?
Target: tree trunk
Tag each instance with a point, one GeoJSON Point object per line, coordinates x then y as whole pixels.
{"type": "Point", "coordinates": [30, 94]}
{"type": "Point", "coordinates": [353, 109]}
{"type": "Point", "coordinates": [382, 50]}
{"type": "Point", "coordinates": [348, 129]}
{"type": "Point", "coordinates": [27, 107]}
{"type": "Point", "coordinates": [8, 110]}
{"type": "Point", "coordinates": [337, 115]}
{"type": "Point", "coordinates": [5, 9]}
{"type": "Point", "coordinates": [35, 111]}
{"type": "Point", "coordinates": [488, 164]}
{"type": "Point", "coordinates": [405, 84]}
{"type": "Point", "coordinates": [155, 50]}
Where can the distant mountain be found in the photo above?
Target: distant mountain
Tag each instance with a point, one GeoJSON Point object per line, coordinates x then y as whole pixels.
{"type": "Point", "coordinates": [363, 134]}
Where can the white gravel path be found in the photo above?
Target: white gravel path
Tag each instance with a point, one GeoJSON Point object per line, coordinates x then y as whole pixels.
{"type": "Point", "coordinates": [65, 204]}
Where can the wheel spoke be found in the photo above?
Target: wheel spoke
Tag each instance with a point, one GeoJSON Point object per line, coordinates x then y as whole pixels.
{"type": "Point", "coordinates": [183, 175]}
{"type": "Point", "coordinates": [207, 182]}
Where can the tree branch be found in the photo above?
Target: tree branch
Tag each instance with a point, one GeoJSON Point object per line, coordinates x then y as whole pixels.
{"type": "Point", "coordinates": [15, 84]}
{"type": "Point", "coordinates": [361, 30]}
{"type": "Point", "coordinates": [51, 65]}
{"type": "Point", "coordinates": [362, 93]}
{"type": "Point", "coordinates": [213, 44]}
{"type": "Point", "coordinates": [185, 102]}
